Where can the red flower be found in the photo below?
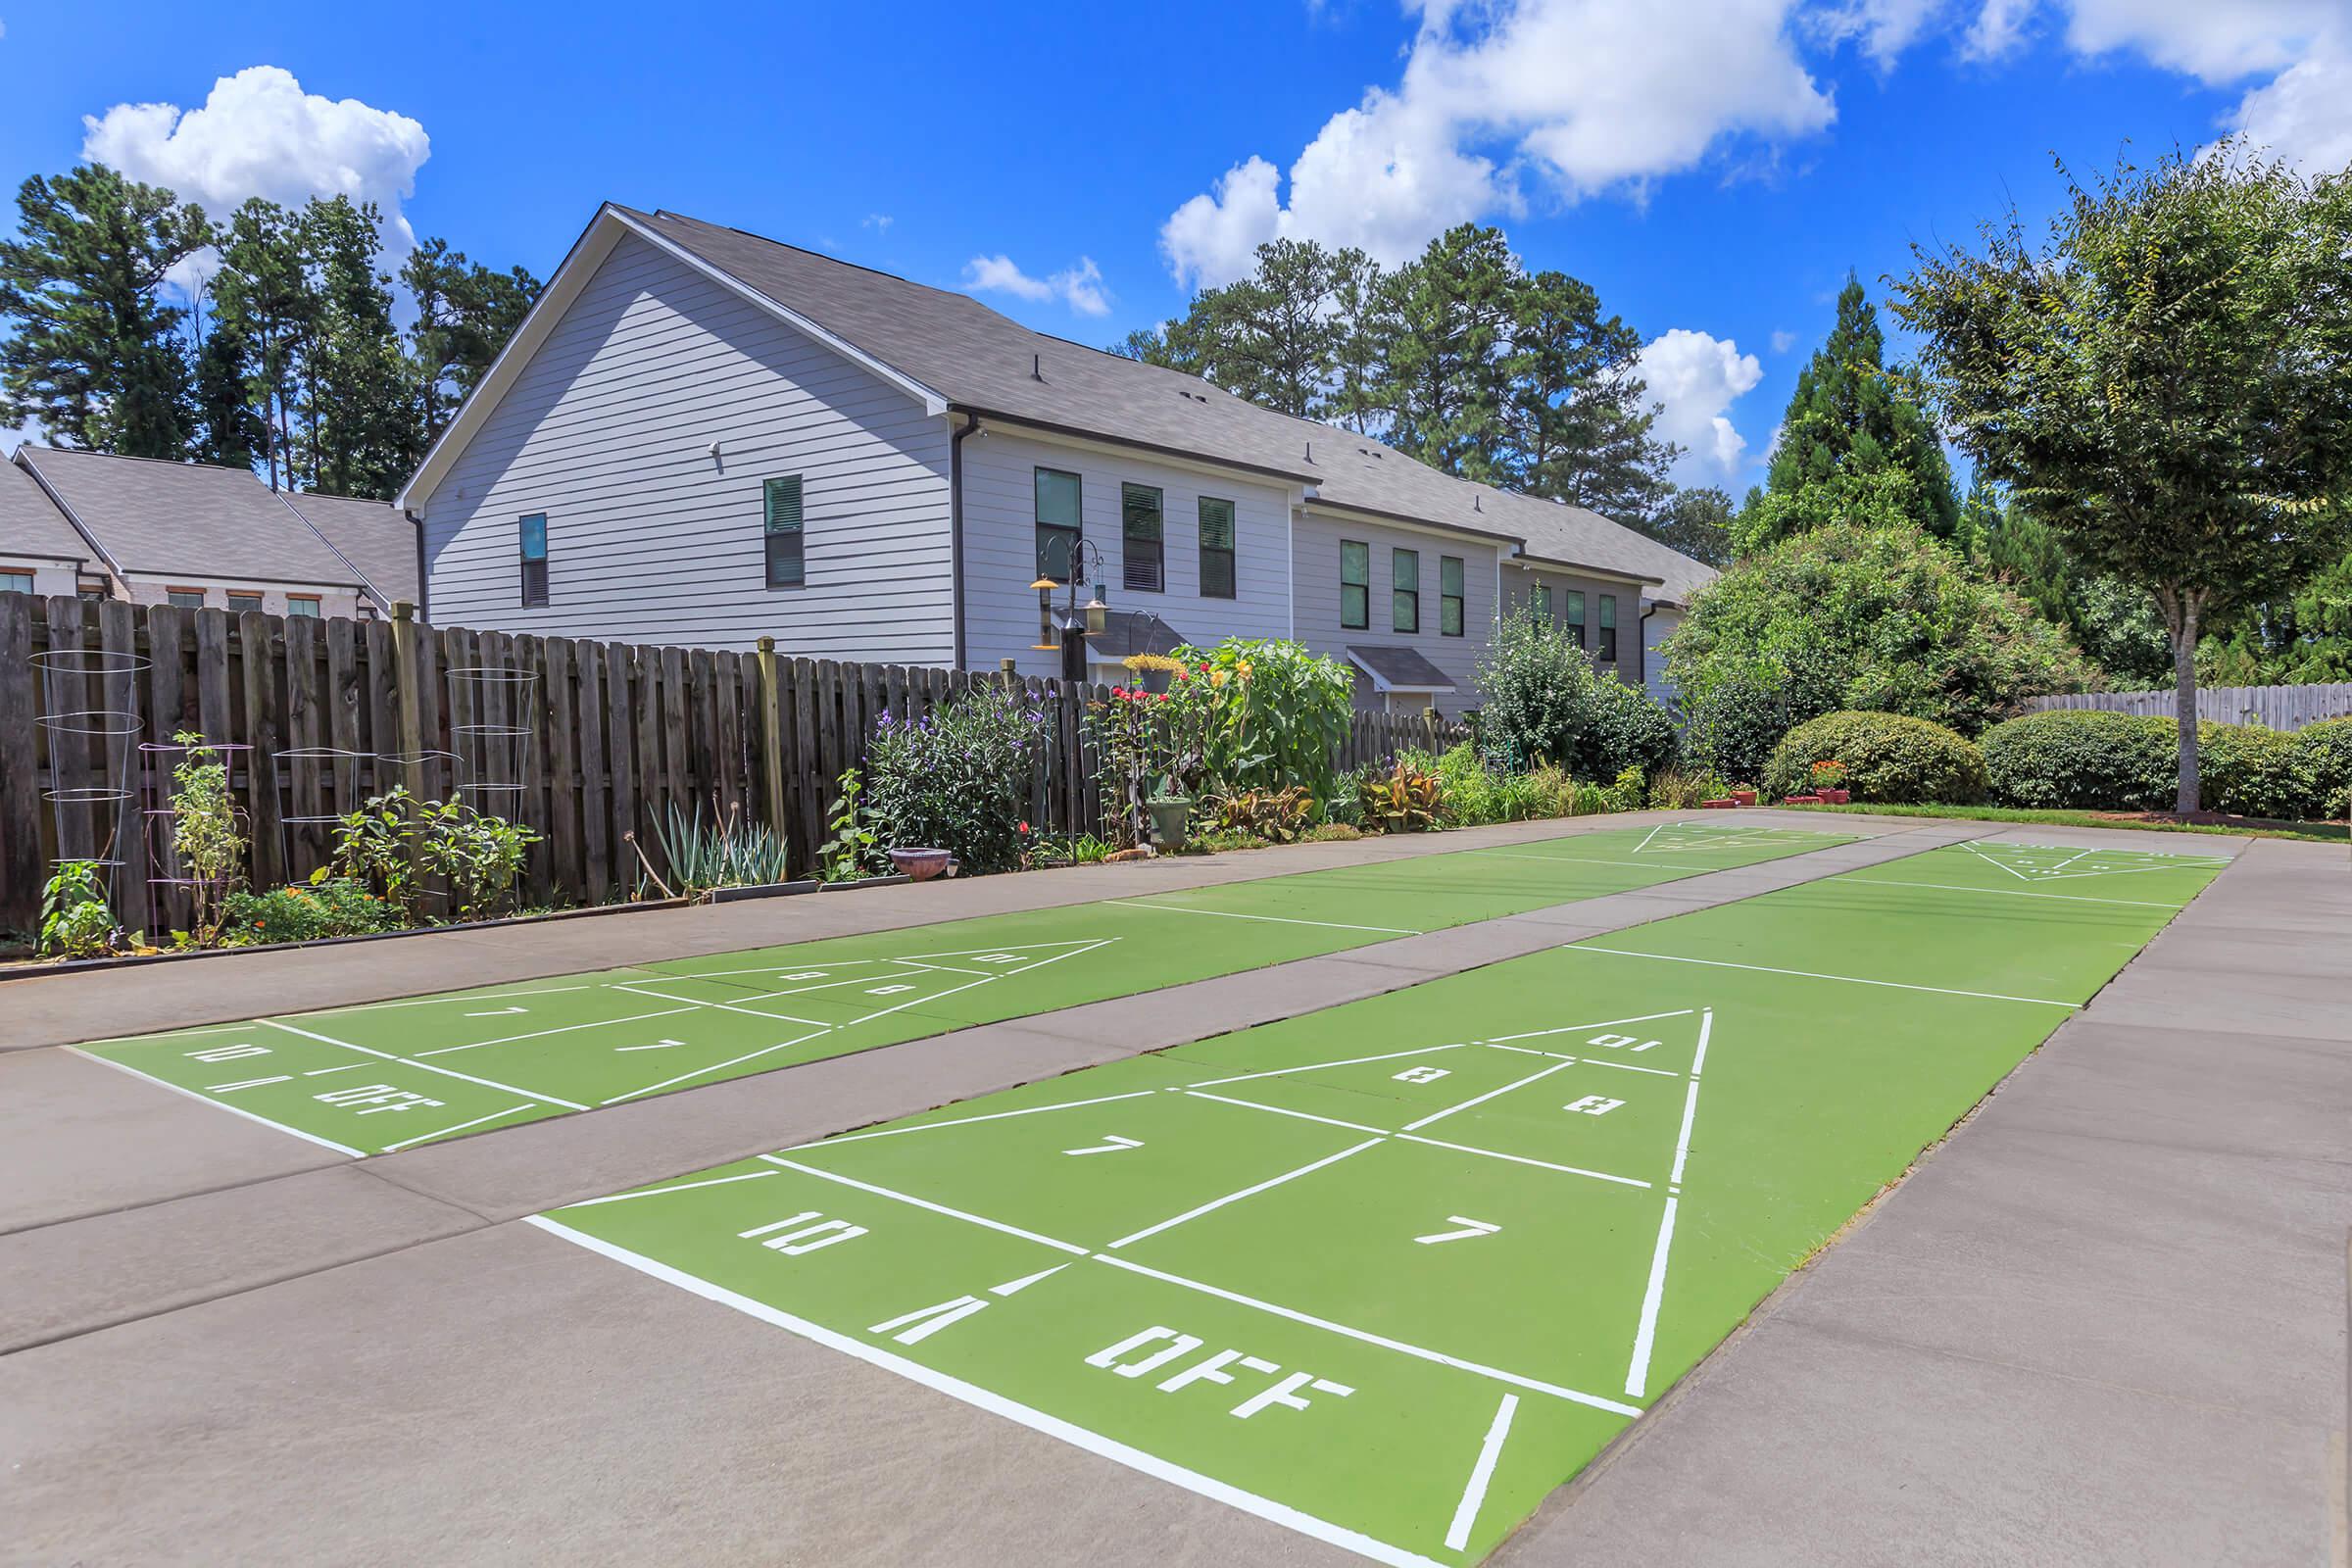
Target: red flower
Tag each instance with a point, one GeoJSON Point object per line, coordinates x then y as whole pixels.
{"type": "Point", "coordinates": [1024, 827]}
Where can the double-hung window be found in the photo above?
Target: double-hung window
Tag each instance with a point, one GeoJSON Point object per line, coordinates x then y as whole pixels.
{"type": "Point", "coordinates": [1216, 549]}
{"type": "Point", "coordinates": [242, 599]}
{"type": "Point", "coordinates": [780, 526]}
{"type": "Point", "coordinates": [1405, 590]}
{"type": "Point", "coordinates": [1576, 617]}
{"type": "Point", "coordinates": [1143, 544]}
{"type": "Point", "coordinates": [1356, 585]}
{"type": "Point", "coordinates": [16, 582]}
{"type": "Point", "coordinates": [1059, 521]}
{"type": "Point", "coordinates": [301, 607]}
{"type": "Point", "coordinates": [1608, 629]}
{"type": "Point", "coordinates": [1449, 596]}
{"type": "Point", "coordinates": [184, 598]}
{"type": "Point", "coordinates": [1538, 603]}
{"type": "Point", "coordinates": [533, 531]}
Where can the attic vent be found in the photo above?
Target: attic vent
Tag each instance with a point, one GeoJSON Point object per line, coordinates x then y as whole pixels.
{"type": "Point", "coordinates": [1476, 505]}
{"type": "Point", "coordinates": [1037, 366]}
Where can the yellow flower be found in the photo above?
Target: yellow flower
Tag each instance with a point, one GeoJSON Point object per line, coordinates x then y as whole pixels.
{"type": "Point", "coordinates": [1218, 678]}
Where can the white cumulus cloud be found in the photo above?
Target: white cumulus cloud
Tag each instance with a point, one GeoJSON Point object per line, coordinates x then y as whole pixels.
{"type": "Point", "coordinates": [1783, 341]}
{"type": "Point", "coordinates": [2305, 113]}
{"type": "Point", "coordinates": [1696, 377]}
{"type": "Point", "coordinates": [1079, 286]}
{"type": "Point", "coordinates": [1503, 101]}
{"type": "Point", "coordinates": [258, 133]}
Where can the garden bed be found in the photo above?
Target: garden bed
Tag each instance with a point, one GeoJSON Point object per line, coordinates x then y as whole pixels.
{"type": "Point", "coordinates": [25, 968]}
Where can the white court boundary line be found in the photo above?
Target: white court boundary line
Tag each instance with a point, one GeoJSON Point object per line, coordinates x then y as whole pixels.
{"type": "Point", "coordinates": [1271, 919]}
{"type": "Point", "coordinates": [2011, 893]}
{"type": "Point", "coordinates": [209, 1099]}
{"type": "Point", "coordinates": [1419, 1351]}
{"type": "Point", "coordinates": [1807, 974]}
{"type": "Point", "coordinates": [1465, 1512]}
{"type": "Point", "coordinates": [1035, 1420]}
{"type": "Point", "coordinates": [1215, 1204]}
{"type": "Point", "coordinates": [682, 1186]}
{"type": "Point", "coordinates": [421, 1067]}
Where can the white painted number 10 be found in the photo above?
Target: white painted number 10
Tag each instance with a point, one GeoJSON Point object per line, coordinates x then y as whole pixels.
{"type": "Point", "coordinates": [799, 1234]}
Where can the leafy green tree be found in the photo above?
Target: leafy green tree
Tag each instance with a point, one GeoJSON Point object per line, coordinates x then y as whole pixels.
{"type": "Point", "coordinates": [2163, 378]}
{"type": "Point", "coordinates": [1696, 522]}
{"type": "Point", "coordinates": [465, 313]}
{"type": "Point", "coordinates": [1844, 616]}
{"type": "Point", "coordinates": [1852, 422]}
{"type": "Point", "coordinates": [94, 353]}
{"type": "Point", "coordinates": [231, 430]}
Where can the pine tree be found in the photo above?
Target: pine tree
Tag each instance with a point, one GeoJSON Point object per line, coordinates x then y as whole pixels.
{"type": "Point", "coordinates": [1443, 335]}
{"type": "Point", "coordinates": [231, 430]}
{"type": "Point", "coordinates": [356, 399]}
{"type": "Point", "coordinates": [1696, 522]}
{"type": "Point", "coordinates": [263, 293]}
{"type": "Point", "coordinates": [1852, 419]}
{"type": "Point", "coordinates": [1577, 415]}
{"type": "Point", "coordinates": [95, 356]}
{"type": "Point", "coordinates": [465, 313]}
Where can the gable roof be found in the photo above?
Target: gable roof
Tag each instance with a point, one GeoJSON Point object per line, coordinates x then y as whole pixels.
{"type": "Point", "coordinates": [955, 353]}
{"type": "Point", "coordinates": [158, 518]}
{"type": "Point", "coordinates": [30, 525]}
{"type": "Point", "coordinates": [376, 536]}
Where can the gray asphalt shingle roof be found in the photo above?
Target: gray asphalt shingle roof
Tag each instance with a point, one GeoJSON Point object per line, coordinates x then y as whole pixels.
{"type": "Point", "coordinates": [987, 362]}
{"type": "Point", "coordinates": [160, 519]}
{"type": "Point", "coordinates": [30, 525]}
{"type": "Point", "coordinates": [374, 536]}
{"type": "Point", "coordinates": [1398, 670]}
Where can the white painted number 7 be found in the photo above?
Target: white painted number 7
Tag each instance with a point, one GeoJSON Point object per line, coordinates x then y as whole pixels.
{"type": "Point", "coordinates": [1112, 1144]}
{"type": "Point", "coordinates": [1475, 1227]}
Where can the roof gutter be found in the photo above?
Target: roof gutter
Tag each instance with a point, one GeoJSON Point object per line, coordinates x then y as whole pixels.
{"type": "Point", "coordinates": [1021, 423]}
{"type": "Point", "coordinates": [1615, 574]}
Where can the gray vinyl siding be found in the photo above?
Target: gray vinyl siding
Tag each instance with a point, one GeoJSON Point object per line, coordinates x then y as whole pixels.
{"type": "Point", "coordinates": [650, 538]}
{"type": "Point", "coordinates": [999, 545]}
{"type": "Point", "coordinates": [1518, 581]}
{"type": "Point", "coordinates": [1315, 555]}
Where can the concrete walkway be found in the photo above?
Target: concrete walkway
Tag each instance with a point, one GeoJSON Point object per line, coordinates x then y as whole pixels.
{"type": "Point", "coordinates": [228, 1349]}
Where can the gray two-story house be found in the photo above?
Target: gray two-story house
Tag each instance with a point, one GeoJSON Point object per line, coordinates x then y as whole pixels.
{"type": "Point", "coordinates": [701, 436]}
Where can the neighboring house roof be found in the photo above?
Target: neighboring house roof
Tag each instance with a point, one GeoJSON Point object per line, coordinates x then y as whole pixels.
{"type": "Point", "coordinates": [155, 518]}
{"type": "Point", "coordinates": [1568, 534]}
{"type": "Point", "coordinates": [952, 350]}
{"type": "Point", "coordinates": [1398, 670]}
{"type": "Point", "coordinates": [30, 525]}
{"type": "Point", "coordinates": [375, 536]}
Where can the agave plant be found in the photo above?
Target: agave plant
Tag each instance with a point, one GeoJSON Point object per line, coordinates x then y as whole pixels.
{"type": "Point", "coordinates": [727, 852]}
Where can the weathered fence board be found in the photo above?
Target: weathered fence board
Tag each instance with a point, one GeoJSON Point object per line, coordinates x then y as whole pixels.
{"type": "Point", "coordinates": [619, 735]}
{"type": "Point", "coordinates": [2284, 708]}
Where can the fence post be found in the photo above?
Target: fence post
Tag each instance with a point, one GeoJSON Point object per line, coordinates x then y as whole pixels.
{"type": "Point", "coordinates": [771, 740]}
{"type": "Point", "coordinates": [404, 686]}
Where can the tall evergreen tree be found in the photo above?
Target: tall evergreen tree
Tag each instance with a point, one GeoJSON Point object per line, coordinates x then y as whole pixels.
{"type": "Point", "coordinates": [95, 354]}
{"type": "Point", "coordinates": [357, 403]}
{"type": "Point", "coordinates": [465, 313]}
{"type": "Point", "coordinates": [1696, 522]}
{"type": "Point", "coordinates": [1577, 418]}
{"type": "Point", "coordinates": [230, 430]}
{"type": "Point", "coordinates": [263, 293]}
{"type": "Point", "coordinates": [1850, 423]}
{"type": "Point", "coordinates": [1444, 336]}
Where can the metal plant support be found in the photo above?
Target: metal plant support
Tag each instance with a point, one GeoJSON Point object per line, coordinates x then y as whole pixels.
{"type": "Point", "coordinates": [493, 714]}
{"type": "Point", "coordinates": [89, 726]}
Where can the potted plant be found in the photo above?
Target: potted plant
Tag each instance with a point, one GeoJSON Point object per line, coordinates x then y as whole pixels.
{"type": "Point", "coordinates": [1829, 782]}
{"type": "Point", "coordinates": [1743, 795]}
{"type": "Point", "coordinates": [1170, 815]}
{"type": "Point", "coordinates": [921, 864]}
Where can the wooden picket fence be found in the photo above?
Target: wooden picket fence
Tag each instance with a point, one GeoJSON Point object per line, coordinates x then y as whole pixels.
{"type": "Point", "coordinates": [2283, 708]}
{"type": "Point", "coordinates": [603, 740]}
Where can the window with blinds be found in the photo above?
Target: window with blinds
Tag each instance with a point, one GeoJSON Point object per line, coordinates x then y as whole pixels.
{"type": "Point", "coordinates": [1608, 629]}
{"type": "Point", "coordinates": [1576, 616]}
{"type": "Point", "coordinates": [531, 531]}
{"type": "Point", "coordinates": [1143, 552]}
{"type": "Point", "coordinates": [780, 523]}
{"type": "Point", "coordinates": [1216, 549]}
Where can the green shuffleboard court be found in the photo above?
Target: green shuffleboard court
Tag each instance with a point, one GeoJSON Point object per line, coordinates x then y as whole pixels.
{"type": "Point", "coordinates": [388, 1076]}
{"type": "Point", "coordinates": [1389, 1273]}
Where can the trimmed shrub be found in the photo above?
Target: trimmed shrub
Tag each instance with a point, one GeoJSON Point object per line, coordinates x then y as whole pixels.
{"type": "Point", "coordinates": [1627, 728]}
{"type": "Point", "coordinates": [2248, 771]}
{"type": "Point", "coordinates": [1736, 728]}
{"type": "Point", "coordinates": [2081, 759]}
{"type": "Point", "coordinates": [1890, 759]}
{"type": "Point", "coordinates": [2323, 755]}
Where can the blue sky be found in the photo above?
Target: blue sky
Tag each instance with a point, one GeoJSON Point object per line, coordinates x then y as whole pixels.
{"type": "Point", "coordinates": [1713, 169]}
